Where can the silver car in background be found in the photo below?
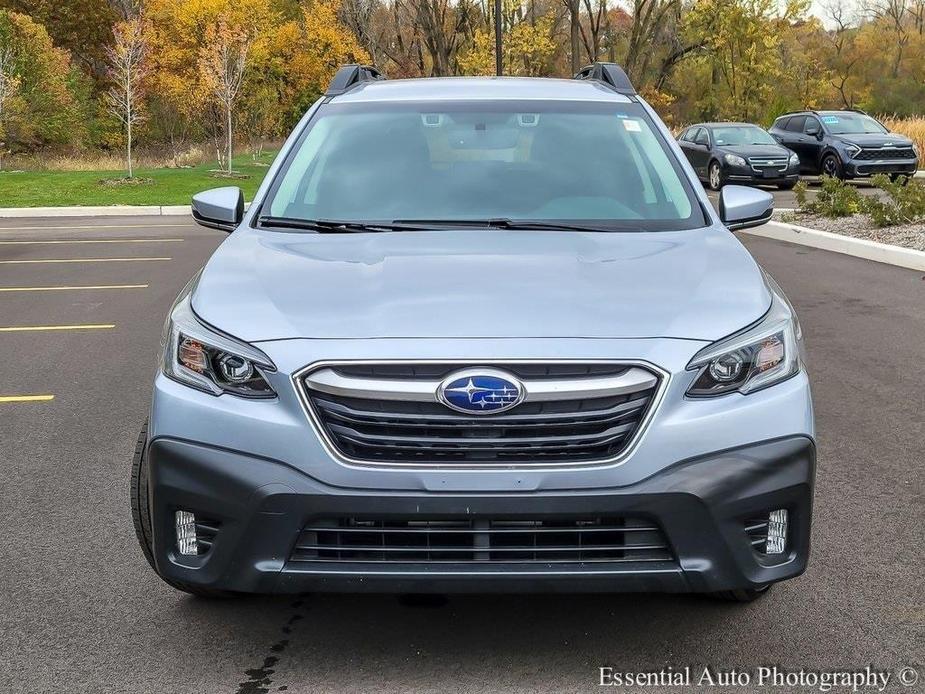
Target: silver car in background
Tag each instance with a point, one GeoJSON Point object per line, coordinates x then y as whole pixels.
{"type": "Point", "coordinates": [479, 335]}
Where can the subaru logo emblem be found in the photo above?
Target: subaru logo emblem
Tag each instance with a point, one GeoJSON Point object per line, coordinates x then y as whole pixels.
{"type": "Point", "coordinates": [481, 391]}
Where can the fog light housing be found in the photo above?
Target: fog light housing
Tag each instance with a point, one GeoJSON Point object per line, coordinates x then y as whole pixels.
{"type": "Point", "coordinates": [187, 544]}
{"type": "Point", "coordinates": [777, 532]}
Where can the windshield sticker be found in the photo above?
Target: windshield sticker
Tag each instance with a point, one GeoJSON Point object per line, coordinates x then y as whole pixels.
{"type": "Point", "coordinates": [632, 126]}
{"type": "Point", "coordinates": [830, 119]}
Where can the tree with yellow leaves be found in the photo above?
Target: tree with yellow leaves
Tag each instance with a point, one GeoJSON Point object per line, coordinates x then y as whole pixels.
{"type": "Point", "coordinates": [527, 44]}
{"type": "Point", "coordinates": [9, 86]}
{"type": "Point", "coordinates": [127, 60]}
{"type": "Point", "coordinates": [223, 60]}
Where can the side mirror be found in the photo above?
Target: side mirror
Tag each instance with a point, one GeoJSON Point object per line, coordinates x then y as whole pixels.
{"type": "Point", "coordinates": [219, 208]}
{"type": "Point", "coordinates": [741, 207]}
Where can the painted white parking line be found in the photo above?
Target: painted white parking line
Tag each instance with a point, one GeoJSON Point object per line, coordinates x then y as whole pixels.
{"type": "Point", "coordinates": [78, 260]}
{"type": "Point", "coordinates": [73, 288]}
{"type": "Point", "coordinates": [43, 328]}
{"type": "Point", "coordinates": [65, 241]}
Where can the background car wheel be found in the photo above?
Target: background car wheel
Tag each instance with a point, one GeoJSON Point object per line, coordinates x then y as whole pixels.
{"type": "Point", "coordinates": [141, 517]}
{"type": "Point", "coordinates": [831, 166]}
{"type": "Point", "coordinates": [715, 176]}
{"type": "Point", "coordinates": [787, 185]}
{"type": "Point", "coordinates": [903, 178]}
{"type": "Point", "coordinates": [743, 595]}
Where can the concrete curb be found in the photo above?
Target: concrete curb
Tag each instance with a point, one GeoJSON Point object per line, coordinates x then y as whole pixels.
{"type": "Point", "coordinates": [827, 241]}
{"type": "Point", "coordinates": [109, 211]}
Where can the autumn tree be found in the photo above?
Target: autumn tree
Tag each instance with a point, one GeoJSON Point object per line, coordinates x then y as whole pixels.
{"type": "Point", "coordinates": [326, 44]}
{"type": "Point", "coordinates": [841, 56]}
{"type": "Point", "coordinates": [527, 43]}
{"type": "Point", "coordinates": [42, 109]}
{"type": "Point", "coordinates": [9, 85]}
{"type": "Point", "coordinates": [592, 29]}
{"type": "Point", "coordinates": [742, 38]}
{"type": "Point", "coordinates": [82, 27]}
{"type": "Point", "coordinates": [127, 58]}
{"type": "Point", "coordinates": [223, 63]}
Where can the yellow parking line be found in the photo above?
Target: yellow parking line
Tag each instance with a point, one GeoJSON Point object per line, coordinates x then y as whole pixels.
{"type": "Point", "coordinates": [26, 398]}
{"type": "Point", "coordinates": [103, 226]}
{"type": "Point", "coordinates": [67, 288]}
{"type": "Point", "coordinates": [78, 260]}
{"type": "Point", "coordinates": [20, 243]}
{"type": "Point", "coordinates": [39, 328]}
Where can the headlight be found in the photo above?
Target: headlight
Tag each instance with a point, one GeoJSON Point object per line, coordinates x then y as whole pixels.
{"type": "Point", "coordinates": [915, 149]}
{"type": "Point", "coordinates": [757, 357]}
{"type": "Point", "coordinates": [852, 149]}
{"type": "Point", "coordinates": [198, 356]}
{"type": "Point", "coordinates": [734, 160]}
{"type": "Point", "coordinates": [794, 159]}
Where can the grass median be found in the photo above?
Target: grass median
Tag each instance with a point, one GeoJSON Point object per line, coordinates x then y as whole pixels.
{"type": "Point", "coordinates": [164, 186]}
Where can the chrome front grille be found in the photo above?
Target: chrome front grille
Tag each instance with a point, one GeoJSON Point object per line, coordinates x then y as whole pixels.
{"type": "Point", "coordinates": [761, 164]}
{"type": "Point", "coordinates": [573, 413]}
{"type": "Point", "coordinates": [481, 541]}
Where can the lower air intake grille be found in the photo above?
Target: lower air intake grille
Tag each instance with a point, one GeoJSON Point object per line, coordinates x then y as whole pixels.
{"type": "Point", "coordinates": [757, 531]}
{"type": "Point", "coordinates": [481, 541]}
{"type": "Point", "coordinates": [887, 153]}
{"type": "Point", "coordinates": [572, 413]}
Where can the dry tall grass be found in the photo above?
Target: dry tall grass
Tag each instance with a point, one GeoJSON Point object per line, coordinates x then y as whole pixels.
{"type": "Point", "coordinates": [913, 127]}
{"type": "Point", "coordinates": [144, 157]}
{"type": "Point", "coordinates": [105, 161]}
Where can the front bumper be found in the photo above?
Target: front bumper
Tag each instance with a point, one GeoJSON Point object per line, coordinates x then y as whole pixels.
{"type": "Point", "coordinates": [860, 168]}
{"type": "Point", "coordinates": [260, 507]}
{"type": "Point", "coordinates": [757, 176]}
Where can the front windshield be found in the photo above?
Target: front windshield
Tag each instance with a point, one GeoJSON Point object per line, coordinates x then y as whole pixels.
{"type": "Point", "coordinates": [600, 165]}
{"type": "Point", "coordinates": [741, 135]}
{"type": "Point", "coordinates": [852, 124]}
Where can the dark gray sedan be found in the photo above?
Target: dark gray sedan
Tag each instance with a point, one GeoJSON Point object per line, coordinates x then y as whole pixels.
{"type": "Point", "coordinates": [738, 153]}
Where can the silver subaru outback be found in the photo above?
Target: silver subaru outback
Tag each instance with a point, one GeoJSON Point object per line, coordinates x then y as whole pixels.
{"type": "Point", "coordinates": [479, 335]}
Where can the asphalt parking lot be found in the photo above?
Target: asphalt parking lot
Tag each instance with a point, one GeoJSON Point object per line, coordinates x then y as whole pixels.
{"type": "Point", "coordinates": [785, 199]}
{"type": "Point", "coordinates": [82, 612]}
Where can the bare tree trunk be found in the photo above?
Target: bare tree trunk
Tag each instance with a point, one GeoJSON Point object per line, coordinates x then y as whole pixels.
{"type": "Point", "coordinates": [128, 126]}
{"type": "Point", "coordinates": [128, 149]}
{"type": "Point", "coordinates": [230, 135]}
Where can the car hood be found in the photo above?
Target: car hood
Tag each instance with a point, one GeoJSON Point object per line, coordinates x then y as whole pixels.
{"type": "Point", "coordinates": [876, 139]}
{"type": "Point", "coordinates": [267, 285]}
{"type": "Point", "coordinates": [756, 150]}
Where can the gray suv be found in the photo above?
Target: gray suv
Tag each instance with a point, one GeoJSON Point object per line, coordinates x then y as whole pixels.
{"type": "Point", "coordinates": [479, 335]}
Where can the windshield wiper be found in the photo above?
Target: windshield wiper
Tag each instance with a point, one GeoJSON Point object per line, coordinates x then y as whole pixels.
{"type": "Point", "coordinates": [504, 223]}
{"type": "Point", "coordinates": [333, 226]}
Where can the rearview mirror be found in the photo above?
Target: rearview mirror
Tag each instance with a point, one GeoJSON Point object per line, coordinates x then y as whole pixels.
{"type": "Point", "coordinates": [219, 208]}
{"type": "Point", "coordinates": [741, 207]}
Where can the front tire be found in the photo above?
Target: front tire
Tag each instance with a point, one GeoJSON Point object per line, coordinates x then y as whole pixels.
{"type": "Point", "coordinates": [141, 517]}
{"type": "Point", "coordinates": [786, 185]}
{"type": "Point", "coordinates": [831, 166]}
{"type": "Point", "coordinates": [714, 176]}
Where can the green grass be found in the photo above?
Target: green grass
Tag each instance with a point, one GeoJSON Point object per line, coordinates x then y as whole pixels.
{"type": "Point", "coordinates": [169, 187]}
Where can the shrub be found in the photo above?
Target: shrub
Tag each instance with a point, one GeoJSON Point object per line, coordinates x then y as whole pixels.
{"type": "Point", "coordinates": [834, 199]}
{"type": "Point", "coordinates": [905, 202]}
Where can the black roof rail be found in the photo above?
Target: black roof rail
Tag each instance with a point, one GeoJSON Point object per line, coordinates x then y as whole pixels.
{"type": "Point", "coordinates": [348, 76]}
{"type": "Point", "coordinates": [610, 74]}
